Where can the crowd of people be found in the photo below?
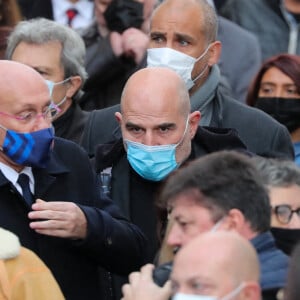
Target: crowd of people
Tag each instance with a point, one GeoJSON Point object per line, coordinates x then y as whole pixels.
{"type": "Point", "coordinates": [149, 149]}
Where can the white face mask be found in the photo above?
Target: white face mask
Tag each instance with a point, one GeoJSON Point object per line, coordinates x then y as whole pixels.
{"type": "Point", "coordinates": [51, 86]}
{"type": "Point", "coordinates": [236, 291]}
{"type": "Point", "coordinates": [181, 63]}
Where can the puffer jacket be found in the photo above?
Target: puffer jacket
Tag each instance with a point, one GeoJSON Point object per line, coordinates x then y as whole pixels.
{"type": "Point", "coordinates": [23, 276]}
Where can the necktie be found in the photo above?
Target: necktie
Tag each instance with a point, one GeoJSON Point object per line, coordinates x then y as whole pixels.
{"type": "Point", "coordinates": [23, 181]}
{"type": "Point", "coordinates": [71, 14]}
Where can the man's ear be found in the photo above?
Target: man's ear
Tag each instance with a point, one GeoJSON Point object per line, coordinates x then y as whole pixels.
{"type": "Point", "coordinates": [214, 53]}
{"type": "Point", "coordinates": [194, 119]}
{"type": "Point", "coordinates": [251, 291]}
{"type": "Point", "coordinates": [118, 117]}
{"type": "Point", "coordinates": [235, 220]}
{"type": "Point", "coordinates": [74, 85]}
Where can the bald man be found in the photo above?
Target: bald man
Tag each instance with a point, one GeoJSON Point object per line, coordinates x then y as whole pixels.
{"type": "Point", "coordinates": [209, 265]}
{"type": "Point", "coordinates": [51, 199]}
{"type": "Point", "coordinates": [156, 136]}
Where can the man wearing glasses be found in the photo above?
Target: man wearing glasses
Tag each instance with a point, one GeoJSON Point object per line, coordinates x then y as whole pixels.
{"type": "Point", "coordinates": [49, 195]}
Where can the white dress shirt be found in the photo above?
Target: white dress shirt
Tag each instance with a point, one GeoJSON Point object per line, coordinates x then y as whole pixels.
{"type": "Point", "coordinates": [84, 17]}
{"type": "Point", "coordinates": [12, 175]}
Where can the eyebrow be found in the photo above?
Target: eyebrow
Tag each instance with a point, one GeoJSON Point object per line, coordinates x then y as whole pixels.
{"type": "Point", "coordinates": [162, 125]}
{"type": "Point", "coordinates": [177, 35]}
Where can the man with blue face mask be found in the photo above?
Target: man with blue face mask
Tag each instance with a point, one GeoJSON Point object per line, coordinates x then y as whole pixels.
{"type": "Point", "coordinates": [204, 270]}
{"type": "Point", "coordinates": [50, 196]}
{"type": "Point", "coordinates": [155, 138]}
{"type": "Point", "coordinates": [157, 134]}
{"type": "Point", "coordinates": [57, 52]}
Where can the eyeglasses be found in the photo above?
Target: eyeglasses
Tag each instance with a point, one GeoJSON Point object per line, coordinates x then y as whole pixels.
{"type": "Point", "coordinates": [284, 213]}
{"type": "Point", "coordinates": [28, 117]}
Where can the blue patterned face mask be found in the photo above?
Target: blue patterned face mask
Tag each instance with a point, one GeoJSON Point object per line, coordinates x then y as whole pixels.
{"type": "Point", "coordinates": [153, 162]}
{"type": "Point", "coordinates": [28, 149]}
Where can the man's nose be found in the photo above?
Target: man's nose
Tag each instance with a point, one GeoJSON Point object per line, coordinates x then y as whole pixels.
{"type": "Point", "coordinates": [174, 238]}
{"type": "Point", "coordinates": [149, 139]}
{"type": "Point", "coordinates": [41, 123]}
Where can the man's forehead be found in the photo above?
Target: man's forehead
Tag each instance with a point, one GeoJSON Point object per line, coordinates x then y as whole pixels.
{"type": "Point", "coordinates": [177, 12]}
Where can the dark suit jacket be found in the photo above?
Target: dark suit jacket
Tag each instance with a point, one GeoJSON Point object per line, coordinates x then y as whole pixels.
{"type": "Point", "coordinates": [111, 242]}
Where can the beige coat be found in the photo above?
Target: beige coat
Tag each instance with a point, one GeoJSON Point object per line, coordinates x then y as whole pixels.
{"type": "Point", "coordinates": [23, 276]}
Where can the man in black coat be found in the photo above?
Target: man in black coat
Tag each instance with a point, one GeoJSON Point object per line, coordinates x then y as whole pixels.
{"type": "Point", "coordinates": [158, 134]}
{"type": "Point", "coordinates": [58, 213]}
{"type": "Point", "coordinates": [190, 48]}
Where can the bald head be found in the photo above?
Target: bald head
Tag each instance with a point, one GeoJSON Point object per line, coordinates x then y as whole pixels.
{"type": "Point", "coordinates": [17, 78]}
{"type": "Point", "coordinates": [217, 257]}
{"type": "Point", "coordinates": [192, 9]}
{"type": "Point", "coordinates": [155, 86]}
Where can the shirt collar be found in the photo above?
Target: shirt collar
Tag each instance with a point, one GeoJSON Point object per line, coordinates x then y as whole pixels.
{"type": "Point", "coordinates": [12, 175]}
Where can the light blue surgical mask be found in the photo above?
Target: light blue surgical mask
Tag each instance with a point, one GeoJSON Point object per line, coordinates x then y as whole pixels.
{"type": "Point", "coordinates": [51, 86]}
{"type": "Point", "coordinates": [236, 291]}
{"type": "Point", "coordinates": [180, 62]}
{"type": "Point", "coordinates": [153, 162]}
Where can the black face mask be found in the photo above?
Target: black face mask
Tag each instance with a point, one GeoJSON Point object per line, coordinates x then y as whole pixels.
{"type": "Point", "coordinates": [286, 239]}
{"type": "Point", "coordinates": [285, 110]}
{"type": "Point", "coordinates": [123, 14]}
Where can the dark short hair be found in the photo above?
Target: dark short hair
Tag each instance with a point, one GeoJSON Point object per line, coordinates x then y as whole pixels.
{"type": "Point", "coordinates": [288, 64]}
{"type": "Point", "coordinates": [223, 181]}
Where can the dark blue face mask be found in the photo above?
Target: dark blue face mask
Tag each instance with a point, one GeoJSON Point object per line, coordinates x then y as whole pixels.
{"type": "Point", "coordinates": [30, 149]}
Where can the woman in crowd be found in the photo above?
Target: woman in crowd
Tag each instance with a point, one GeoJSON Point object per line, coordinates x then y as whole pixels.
{"type": "Point", "coordinates": [276, 90]}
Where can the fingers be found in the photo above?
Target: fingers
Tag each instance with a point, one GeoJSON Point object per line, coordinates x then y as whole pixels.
{"type": "Point", "coordinates": [61, 219]}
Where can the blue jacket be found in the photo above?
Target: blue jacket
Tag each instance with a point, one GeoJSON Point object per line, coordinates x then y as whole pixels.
{"type": "Point", "coordinates": [273, 262]}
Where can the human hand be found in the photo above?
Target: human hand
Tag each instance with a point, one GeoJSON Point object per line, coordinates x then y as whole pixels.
{"type": "Point", "coordinates": [142, 286]}
{"type": "Point", "coordinates": [135, 43]}
{"type": "Point", "coordinates": [116, 43]}
{"type": "Point", "coordinates": [60, 219]}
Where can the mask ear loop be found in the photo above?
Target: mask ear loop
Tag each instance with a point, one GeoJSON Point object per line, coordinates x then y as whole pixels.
{"type": "Point", "coordinates": [206, 67]}
{"type": "Point", "coordinates": [185, 131]}
{"type": "Point", "coordinates": [51, 85]}
{"type": "Point", "coordinates": [235, 292]}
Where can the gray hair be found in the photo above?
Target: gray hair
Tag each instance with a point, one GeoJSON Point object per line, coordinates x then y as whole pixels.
{"type": "Point", "coordinates": [278, 173]}
{"type": "Point", "coordinates": [40, 31]}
